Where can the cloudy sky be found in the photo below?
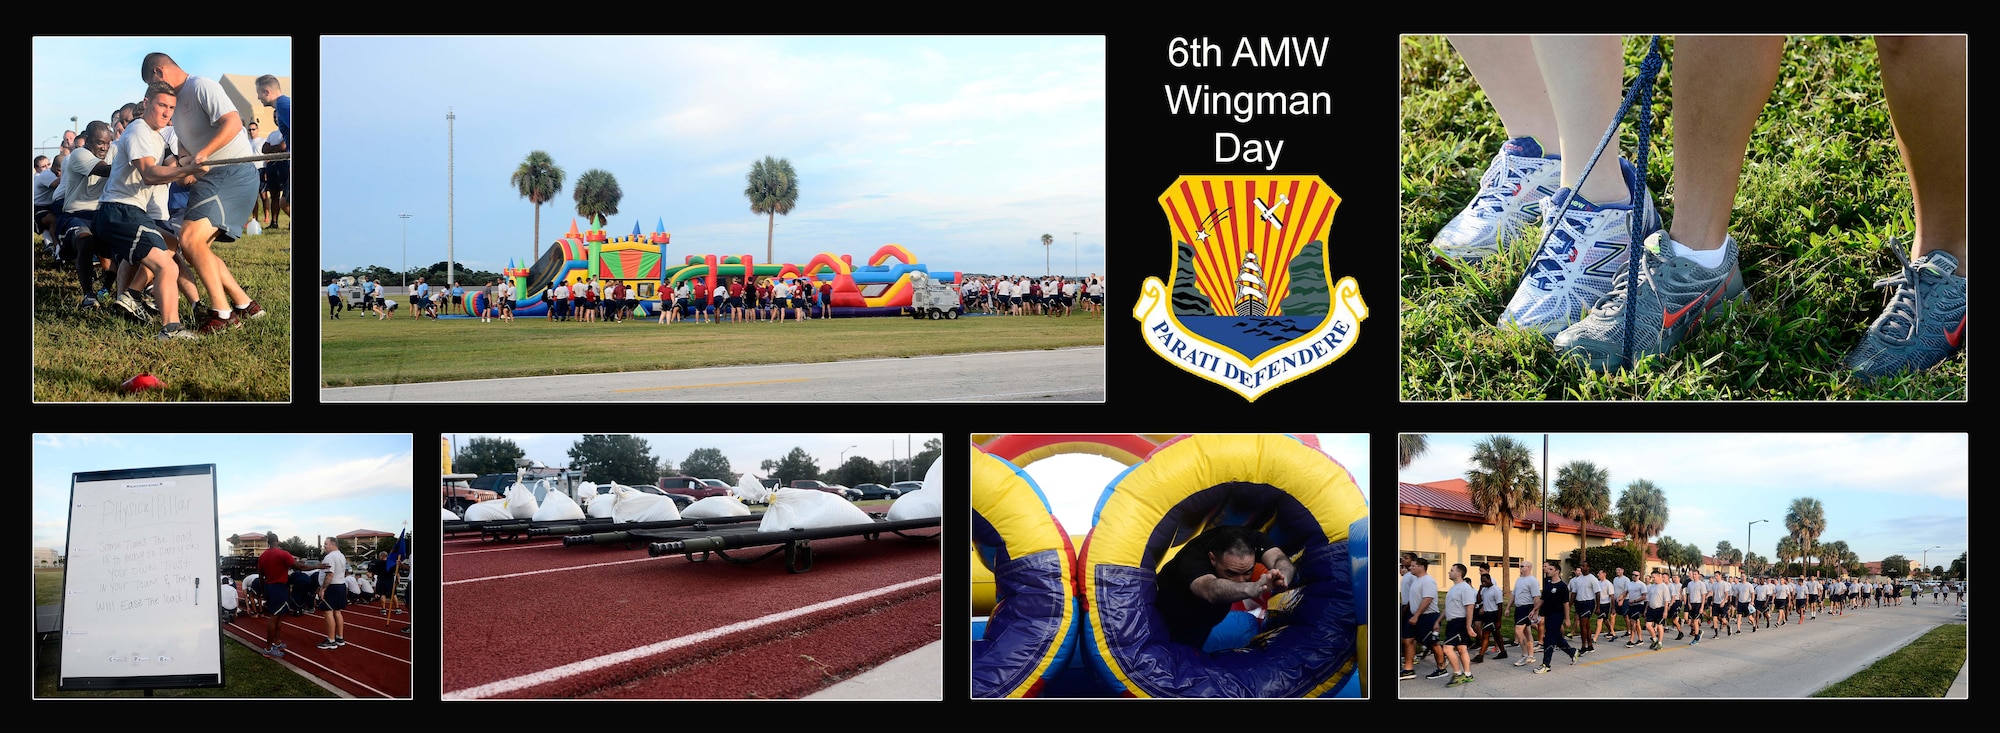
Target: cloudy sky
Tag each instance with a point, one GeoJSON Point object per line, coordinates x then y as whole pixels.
{"type": "Point", "coordinates": [1884, 494]}
{"type": "Point", "coordinates": [744, 450]}
{"type": "Point", "coordinates": [296, 485]}
{"type": "Point", "coordinates": [87, 78]}
{"type": "Point", "coordinates": [963, 149]}
{"type": "Point", "coordinates": [1074, 482]}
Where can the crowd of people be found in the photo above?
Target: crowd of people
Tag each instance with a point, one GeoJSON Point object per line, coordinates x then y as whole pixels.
{"type": "Point", "coordinates": [328, 587]}
{"type": "Point", "coordinates": [1592, 606]}
{"type": "Point", "coordinates": [1020, 295]}
{"type": "Point", "coordinates": [135, 205]}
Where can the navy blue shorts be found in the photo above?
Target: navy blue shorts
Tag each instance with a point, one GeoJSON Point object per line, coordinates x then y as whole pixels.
{"type": "Point", "coordinates": [127, 231]}
{"type": "Point", "coordinates": [336, 597]}
{"type": "Point", "coordinates": [277, 598]}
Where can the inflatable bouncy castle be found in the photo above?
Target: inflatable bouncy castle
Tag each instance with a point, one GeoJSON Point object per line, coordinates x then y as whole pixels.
{"type": "Point", "coordinates": [879, 287]}
{"type": "Point", "coordinates": [1078, 620]}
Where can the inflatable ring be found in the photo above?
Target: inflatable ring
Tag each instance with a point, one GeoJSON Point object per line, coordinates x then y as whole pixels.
{"type": "Point", "coordinates": [1025, 449]}
{"type": "Point", "coordinates": [1299, 497]}
{"type": "Point", "coordinates": [1031, 632]}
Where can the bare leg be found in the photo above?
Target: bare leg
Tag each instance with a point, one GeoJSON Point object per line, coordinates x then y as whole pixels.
{"type": "Point", "coordinates": [1506, 70]}
{"type": "Point", "coordinates": [1924, 78]}
{"type": "Point", "coordinates": [1583, 76]}
{"type": "Point", "coordinates": [1720, 86]}
{"type": "Point", "coordinates": [222, 288]}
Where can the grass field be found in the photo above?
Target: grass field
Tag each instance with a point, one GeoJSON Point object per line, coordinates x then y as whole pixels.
{"type": "Point", "coordinates": [84, 356]}
{"type": "Point", "coordinates": [1823, 189]}
{"type": "Point", "coordinates": [359, 350]}
{"type": "Point", "coordinates": [1925, 668]}
{"type": "Point", "coordinates": [245, 672]}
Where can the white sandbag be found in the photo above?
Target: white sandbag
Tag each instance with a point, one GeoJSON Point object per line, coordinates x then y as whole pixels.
{"type": "Point", "coordinates": [600, 505]}
{"type": "Point", "coordinates": [923, 503]}
{"type": "Point", "coordinates": [752, 492]}
{"type": "Point", "coordinates": [448, 516]}
{"type": "Point", "coordinates": [521, 502]}
{"type": "Point", "coordinates": [809, 509]}
{"type": "Point", "coordinates": [715, 507]}
{"type": "Point", "coordinates": [934, 478]}
{"type": "Point", "coordinates": [634, 505]}
{"type": "Point", "coordinates": [488, 511]}
{"type": "Point", "coordinates": [558, 508]}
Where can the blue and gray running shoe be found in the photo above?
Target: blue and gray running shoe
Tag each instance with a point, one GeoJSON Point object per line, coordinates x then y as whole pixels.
{"type": "Point", "coordinates": [1924, 322]}
{"type": "Point", "coordinates": [1584, 245]}
{"type": "Point", "coordinates": [1675, 294]}
{"type": "Point", "coordinates": [1510, 197]}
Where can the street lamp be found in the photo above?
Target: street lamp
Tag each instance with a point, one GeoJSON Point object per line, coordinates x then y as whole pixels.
{"type": "Point", "coordinates": [406, 249]}
{"type": "Point", "coordinates": [1927, 558]}
{"type": "Point", "coordinates": [1746, 540]}
{"type": "Point", "coordinates": [843, 456]}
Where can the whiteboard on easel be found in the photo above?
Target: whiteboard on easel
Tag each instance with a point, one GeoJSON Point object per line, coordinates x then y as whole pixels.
{"type": "Point", "coordinates": [139, 588]}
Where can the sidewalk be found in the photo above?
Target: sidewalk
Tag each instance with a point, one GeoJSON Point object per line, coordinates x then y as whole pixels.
{"type": "Point", "coordinates": [918, 675]}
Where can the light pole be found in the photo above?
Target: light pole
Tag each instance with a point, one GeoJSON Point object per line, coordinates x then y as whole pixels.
{"type": "Point", "coordinates": [1746, 539]}
{"type": "Point", "coordinates": [406, 249]}
{"type": "Point", "coordinates": [1927, 558]}
{"type": "Point", "coordinates": [843, 455]}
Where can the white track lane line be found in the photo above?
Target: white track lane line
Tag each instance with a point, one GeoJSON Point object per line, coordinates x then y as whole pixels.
{"type": "Point", "coordinates": [558, 570]}
{"type": "Point", "coordinates": [590, 665]}
{"type": "Point", "coordinates": [504, 549]}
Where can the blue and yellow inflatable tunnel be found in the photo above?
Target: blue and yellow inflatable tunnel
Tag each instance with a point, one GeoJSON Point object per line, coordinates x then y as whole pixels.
{"type": "Point", "coordinates": [1031, 632]}
{"type": "Point", "coordinates": [1298, 496]}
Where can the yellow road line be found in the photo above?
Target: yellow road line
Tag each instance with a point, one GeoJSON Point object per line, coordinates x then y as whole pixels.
{"type": "Point", "coordinates": [717, 384]}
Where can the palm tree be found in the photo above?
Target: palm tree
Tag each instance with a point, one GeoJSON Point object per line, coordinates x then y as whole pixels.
{"type": "Point", "coordinates": [1788, 548]}
{"type": "Point", "coordinates": [538, 179]}
{"type": "Point", "coordinates": [1409, 446]}
{"type": "Point", "coordinates": [1669, 552]}
{"type": "Point", "coordinates": [1642, 511]}
{"type": "Point", "coordinates": [773, 189]}
{"type": "Point", "coordinates": [597, 194]}
{"type": "Point", "coordinates": [1688, 554]}
{"type": "Point", "coordinates": [1806, 518]}
{"type": "Point", "coordinates": [1503, 485]}
{"type": "Point", "coordinates": [1046, 241]}
{"type": "Point", "coordinates": [1583, 493]}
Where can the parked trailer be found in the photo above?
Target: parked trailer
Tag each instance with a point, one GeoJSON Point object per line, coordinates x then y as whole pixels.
{"type": "Point", "coordinates": [796, 544]}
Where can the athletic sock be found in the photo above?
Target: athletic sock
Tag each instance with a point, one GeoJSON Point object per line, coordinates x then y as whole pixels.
{"type": "Point", "coordinates": [1708, 258]}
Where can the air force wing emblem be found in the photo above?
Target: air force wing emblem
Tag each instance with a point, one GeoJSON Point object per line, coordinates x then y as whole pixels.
{"type": "Point", "coordinates": [1250, 306]}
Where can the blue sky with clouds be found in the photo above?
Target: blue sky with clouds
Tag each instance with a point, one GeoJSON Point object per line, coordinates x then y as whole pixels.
{"type": "Point", "coordinates": [965, 150]}
{"type": "Point", "coordinates": [296, 485]}
{"type": "Point", "coordinates": [87, 77]}
{"type": "Point", "coordinates": [1885, 494]}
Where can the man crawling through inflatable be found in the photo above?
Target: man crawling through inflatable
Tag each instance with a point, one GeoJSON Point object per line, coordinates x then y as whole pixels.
{"type": "Point", "coordinates": [1217, 568]}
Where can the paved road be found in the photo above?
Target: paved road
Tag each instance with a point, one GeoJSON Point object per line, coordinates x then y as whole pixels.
{"type": "Point", "coordinates": [1068, 375]}
{"type": "Point", "coordinates": [1787, 661]}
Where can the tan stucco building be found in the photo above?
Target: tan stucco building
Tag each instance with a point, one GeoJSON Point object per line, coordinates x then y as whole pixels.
{"type": "Point", "coordinates": [1437, 520]}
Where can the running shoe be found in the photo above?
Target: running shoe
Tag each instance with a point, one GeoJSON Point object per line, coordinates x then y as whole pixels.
{"type": "Point", "coordinates": [1923, 323]}
{"type": "Point", "coordinates": [129, 307]}
{"type": "Point", "coordinates": [1675, 294]}
{"type": "Point", "coordinates": [1458, 679]}
{"type": "Point", "coordinates": [337, 641]}
{"type": "Point", "coordinates": [1522, 663]}
{"type": "Point", "coordinates": [151, 303]}
{"type": "Point", "coordinates": [211, 323]}
{"type": "Point", "coordinates": [1572, 656]}
{"type": "Point", "coordinates": [1441, 672]}
{"type": "Point", "coordinates": [273, 652]}
{"type": "Point", "coordinates": [174, 331]}
{"type": "Point", "coordinates": [1500, 656]}
{"type": "Point", "coordinates": [1479, 658]}
{"type": "Point", "coordinates": [1510, 197]}
{"type": "Point", "coordinates": [1583, 247]}
{"type": "Point", "coordinates": [1544, 669]}
{"type": "Point", "coordinates": [1658, 646]}
{"type": "Point", "coordinates": [252, 311]}
{"type": "Point", "coordinates": [89, 302]}
{"type": "Point", "coordinates": [328, 644]}
{"type": "Point", "coordinates": [1409, 674]}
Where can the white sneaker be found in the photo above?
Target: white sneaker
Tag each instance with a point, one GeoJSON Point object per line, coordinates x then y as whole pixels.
{"type": "Point", "coordinates": [1510, 197]}
{"type": "Point", "coordinates": [1583, 247]}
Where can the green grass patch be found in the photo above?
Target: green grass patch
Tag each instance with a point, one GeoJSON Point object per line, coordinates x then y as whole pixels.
{"type": "Point", "coordinates": [245, 672]}
{"type": "Point", "coordinates": [362, 350]}
{"type": "Point", "coordinates": [86, 356]}
{"type": "Point", "coordinates": [1822, 191]}
{"type": "Point", "coordinates": [1924, 668]}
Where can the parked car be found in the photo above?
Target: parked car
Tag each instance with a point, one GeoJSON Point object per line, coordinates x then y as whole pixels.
{"type": "Point", "coordinates": [458, 495]}
{"type": "Point", "coordinates": [727, 490]}
{"type": "Point", "coordinates": [816, 485]}
{"type": "Point", "coordinates": [692, 488]}
{"type": "Point", "coordinates": [681, 501]}
{"type": "Point", "coordinates": [847, 492]}
{"type": "Point", "coordinates": [877, 491]}
{"type": "Point", "coordinates": [904, 487]}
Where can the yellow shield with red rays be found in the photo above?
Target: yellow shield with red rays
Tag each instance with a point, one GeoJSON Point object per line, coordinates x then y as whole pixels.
{"type": "Point", "coordinates": [1252, 303]}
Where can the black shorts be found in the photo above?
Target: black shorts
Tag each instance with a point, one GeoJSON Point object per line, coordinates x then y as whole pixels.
{"type": "Point", "coordinates": [1523, 615]}
{"type": "Point", "coordinates": [1745, 607]}
{"type": "Point", "coordinates": [1425, 624]}
{"type": "Point", "coordinates": [1489, 618]}
{"type": "Point", "coordinates": [735, 301]}
{"type": "Point", "coordinates": [1673, 610]}
{"type": "Point", "coordinates": [1584, 609]}
{"type": "Point", "coordinates": [277, 176]}
{"type": "Point", "coordinates": [1455, 633]}
{"type": "Point", "coordinates": [1654, 615]}
{"type": "Point", "coordinates": [457, 300]}
{"type": "Point", "coordinates": [333, 300]}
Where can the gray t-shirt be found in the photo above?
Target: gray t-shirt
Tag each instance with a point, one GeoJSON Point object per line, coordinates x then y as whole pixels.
{"type": "Point", "coordinates": [1461, 595]}
{"type": "Point", "coordinates": [1525, 590]}
{"type": "Point", "coordinates": [1489, 598]}
{"type": "Point", "coordinates": [81, 189]}
{"type": "Point", "coordinates": [198, 117]}
{"type": "Point", "coordinates": [1421, 587]}
{"type": "Point", "coordinates": [125, 187]}
{"type": "Point", "coordinates": [1583, 588]}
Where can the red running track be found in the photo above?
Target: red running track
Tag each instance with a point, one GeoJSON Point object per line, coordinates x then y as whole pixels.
{"type": "Point", "coordinates": [374, 664]}
{"type": "Point", "coordinates": [539, 620]}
